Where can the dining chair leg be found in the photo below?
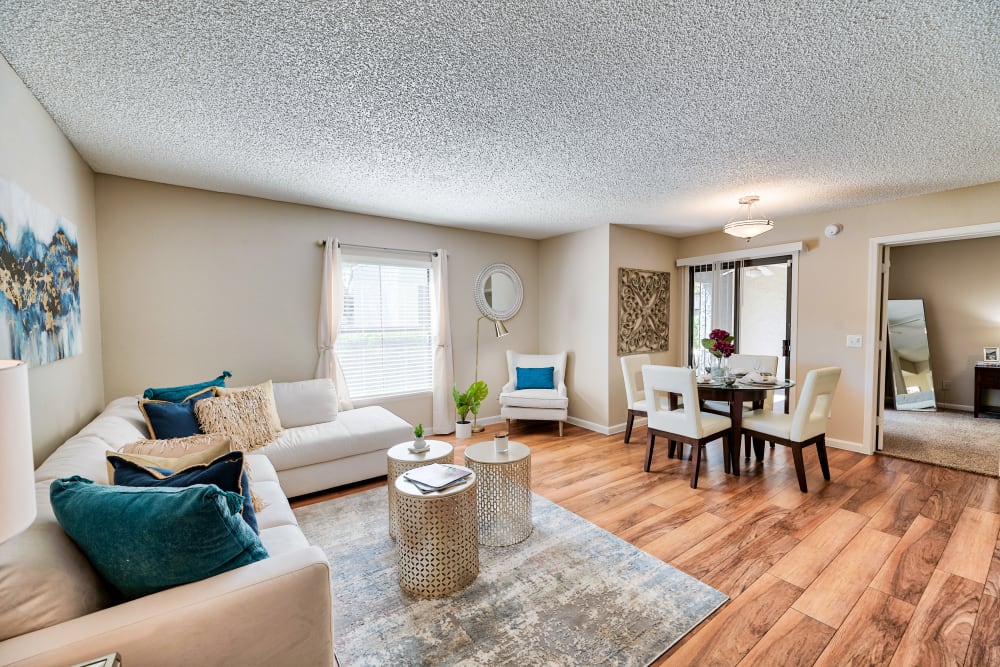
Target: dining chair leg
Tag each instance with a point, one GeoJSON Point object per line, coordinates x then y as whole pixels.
{"type": "Point", "coordinates": [758, 448]}
{"type": "Point", "coordinates": [746, 445]}
{"type": "Point", "coordinates": [697, 465]}
{"type": "Point", "coordinates": [628, 426]}
{"type": "Point", "coordinates": [800, 467]}
{"type": "Point", "coordinates": [650, 436]}
{"type": "Point", "coordinates": [729, 457]}
{"type": "Point", "coordinates": [821, 452]}
{"type": "Point", "coordinates": [672, 449]}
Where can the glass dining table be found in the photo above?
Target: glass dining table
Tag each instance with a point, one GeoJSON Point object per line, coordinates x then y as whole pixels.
{"type": "Point", "coordinates": [736, 394]}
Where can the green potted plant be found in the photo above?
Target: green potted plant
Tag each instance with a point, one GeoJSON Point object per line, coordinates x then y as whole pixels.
{"type": "Point", "coordinates": [419, 444]}
{"type": "Point", "coordinates": [466, 402]}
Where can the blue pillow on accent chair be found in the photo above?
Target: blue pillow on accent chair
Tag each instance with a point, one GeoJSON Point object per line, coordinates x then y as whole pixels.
{"type": "Point", "coordinates": [536, 378]}
{"type": "Point", "coordinates": [178, 394]}
{"type": "Point", "coordinates": [166, 419]}
{"type": "Point", "coordinates": [226, 472]}
{"type": "Point", "coordinates": [147, 539]}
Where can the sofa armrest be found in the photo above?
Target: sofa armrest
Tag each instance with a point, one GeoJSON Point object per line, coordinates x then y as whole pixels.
{"type": "Point", "coordinates": [276, 611]}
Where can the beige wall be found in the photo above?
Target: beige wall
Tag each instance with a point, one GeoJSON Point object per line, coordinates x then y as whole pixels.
{"type": "Point", "coordinates": [636, 249]}
{"type": "Point", "coordinates": [958, 282]}
{"type": "Point", "coordinates": [834, 279]}
{"type": "Point", "coordinates": [574, 312]}
{"type": "Point", "coordinates": [36, 156]}
{"type": "Point", "coordinates": [198, 281]}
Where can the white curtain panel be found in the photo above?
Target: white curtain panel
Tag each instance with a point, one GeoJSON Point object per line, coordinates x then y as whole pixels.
{"type": "Point", "coordinates": [443, 405]}
{"type": "Point", "coordinates": [331, 309]}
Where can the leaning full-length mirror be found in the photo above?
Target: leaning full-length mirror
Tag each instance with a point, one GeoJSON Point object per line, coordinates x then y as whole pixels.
{"type": "Point", "coordinates": [909, 355]}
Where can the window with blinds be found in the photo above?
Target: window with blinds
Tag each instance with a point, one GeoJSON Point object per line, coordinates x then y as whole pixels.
{"type": "Point", "coordinates": [384, 343]}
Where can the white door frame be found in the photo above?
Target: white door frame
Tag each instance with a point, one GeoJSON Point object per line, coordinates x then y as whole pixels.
{"type": "Point", "coordinates": [877, 291]}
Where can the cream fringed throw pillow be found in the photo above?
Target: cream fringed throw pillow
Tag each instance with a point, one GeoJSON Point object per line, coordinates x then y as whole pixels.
{"type": "Point", "coordinates": [177, 447]}
{"type": "Point", "coordinates": [244, 416]}
{"type": "Point", "coordinates": [270, 406]}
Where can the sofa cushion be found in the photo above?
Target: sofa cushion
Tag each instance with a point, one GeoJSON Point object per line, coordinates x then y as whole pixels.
{"type": "Point", "coordinates": [178, 394]}
{"type": "Point", "coordinates": [267, 391]}
{"type": "Point", "coordinates": [356, 431]}
{"type": "Point", "coordinates": [45, 579]}
{"type": "Point", "coordinates": [244, 416]}
{"type": "Point", "coordinates": [143, 540]}
{"type": "Point", "coordinates": [226, 472]}
{"type": "Point", "coordinates": [536, 378]}
{"type": "Point", "coordinates": [166, 419]}
{"type": "Point", "coordinates": [534, 398]}
{"type": "Point", "coordinates": [306, 403]}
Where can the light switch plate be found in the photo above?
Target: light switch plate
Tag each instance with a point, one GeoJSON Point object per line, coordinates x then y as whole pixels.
{"type": "Point", "coordinates": [854, 341]}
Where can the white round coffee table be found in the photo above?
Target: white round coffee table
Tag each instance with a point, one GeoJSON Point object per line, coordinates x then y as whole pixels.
{"type": "Point", "coordinates": [504, 495]}
{"type": "Point", "coordinates": [399, 459]}
{"type": "Point", "coordinates": [437, 551]}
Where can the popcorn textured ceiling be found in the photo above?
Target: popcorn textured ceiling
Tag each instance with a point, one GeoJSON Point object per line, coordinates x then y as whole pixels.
{"type": "Point", "coordinates": [526, 118]}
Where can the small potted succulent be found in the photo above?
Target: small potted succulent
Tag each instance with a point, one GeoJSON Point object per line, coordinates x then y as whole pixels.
{"type": "Point", "coordinates": [419, 444]}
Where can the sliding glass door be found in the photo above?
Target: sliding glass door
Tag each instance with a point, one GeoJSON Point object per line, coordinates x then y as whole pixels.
{"type": "Point", "coordinates": [750, 298]}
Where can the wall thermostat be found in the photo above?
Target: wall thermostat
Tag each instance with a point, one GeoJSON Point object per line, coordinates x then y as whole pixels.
{"type": "Point", "coordinates": [832, 230]}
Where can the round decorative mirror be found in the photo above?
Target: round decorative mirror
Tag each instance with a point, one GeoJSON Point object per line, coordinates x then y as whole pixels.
{"type": "Point", "coordinates": [498, 292]}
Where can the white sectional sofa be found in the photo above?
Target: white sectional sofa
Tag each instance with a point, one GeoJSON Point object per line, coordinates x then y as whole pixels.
{"type": "Point", "coordinates": [55, 609]}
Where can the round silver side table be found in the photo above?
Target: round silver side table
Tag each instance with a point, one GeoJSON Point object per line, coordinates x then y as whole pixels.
{"type": "Point", "coordinates": [399, 459]}
{"type": "Point", "coordinates": [504, 495]}
{"type": "Point", "coordinates": [437, 552]}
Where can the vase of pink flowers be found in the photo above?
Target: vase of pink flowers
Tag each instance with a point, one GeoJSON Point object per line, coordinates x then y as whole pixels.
{"type": "Point", "coordinates": [720, 344]}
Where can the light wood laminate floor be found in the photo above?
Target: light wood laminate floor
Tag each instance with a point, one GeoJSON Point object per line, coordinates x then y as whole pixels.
{"type": "Point", "coordinates": [892, 562]}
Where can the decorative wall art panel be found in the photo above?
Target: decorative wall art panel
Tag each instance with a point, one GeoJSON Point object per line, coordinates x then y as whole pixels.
{"type": "Point", "coordinates": [39, 281]}
{"type": "Point", "coordinates": [643, 311]}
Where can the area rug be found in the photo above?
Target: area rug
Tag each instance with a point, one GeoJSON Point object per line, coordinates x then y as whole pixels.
{"type": "Point", "coordinates": [571, 594]}
{"type": "Point", "coordinates": [948, 438]}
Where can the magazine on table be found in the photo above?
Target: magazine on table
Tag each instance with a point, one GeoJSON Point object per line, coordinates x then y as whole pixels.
{"type": "Point", "coordinates": [436, 476]}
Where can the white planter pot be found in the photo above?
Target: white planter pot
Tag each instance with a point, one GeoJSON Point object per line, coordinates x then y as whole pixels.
{"type": "Point", "coordinates": [463, 429]}
{"type": "Point", "coordinates": [419, 445]}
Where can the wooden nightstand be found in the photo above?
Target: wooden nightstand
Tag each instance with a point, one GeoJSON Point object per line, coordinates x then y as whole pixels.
{"type": "Point", "coordinates": [987, 377]}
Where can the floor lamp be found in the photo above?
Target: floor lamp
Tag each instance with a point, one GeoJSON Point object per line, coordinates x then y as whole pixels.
{"type": "Point", "coordinates": [17, 466]}
{"type": "Point", "coordinates": [501, 331]}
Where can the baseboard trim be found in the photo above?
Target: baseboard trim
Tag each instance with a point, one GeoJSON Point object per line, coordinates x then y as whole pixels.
{"type": "Point", "coordinates": [955, 406]}
{"type": "Point", "coordinates": [596, 428]}
{"type": "Point", "coordinates": [848, 445]}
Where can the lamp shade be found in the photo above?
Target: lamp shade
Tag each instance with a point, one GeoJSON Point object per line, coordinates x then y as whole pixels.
{"type": "Point", "coordinates": [17, 469]}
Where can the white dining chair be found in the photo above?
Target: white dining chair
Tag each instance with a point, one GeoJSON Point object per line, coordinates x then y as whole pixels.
{"type": "Point", "coordinates": [806, 426]}
{"type": "Point", "coordinates": [687, 424]}
{"type": "Point", "coordinates": [635, 393]}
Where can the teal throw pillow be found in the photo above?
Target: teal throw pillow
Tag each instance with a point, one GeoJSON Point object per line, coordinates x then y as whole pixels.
{"type": "Point", "coordinates": [166, 420]}
{"type": "Point", "coordinates": [178, 394]}
{"type": "Point", "coordinates": [536, 378]}
{"type": "Point", "coordinates": [226, 472]}
{"type": "Point", "coordinates": [147, 539]}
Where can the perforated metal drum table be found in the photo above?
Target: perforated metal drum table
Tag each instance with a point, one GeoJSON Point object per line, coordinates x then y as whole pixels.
{"type": "Point", "coordinates": [436, 550]}
{"type": "Point", "coordinates": [400, 459]}
{"type": "Point", "coordinates": [504, 495]}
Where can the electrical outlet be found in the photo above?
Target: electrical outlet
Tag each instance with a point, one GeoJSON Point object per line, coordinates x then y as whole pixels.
{"type": "Point", "coordinates": [946, 385]}
{"type": "Point", "coordinates": [854, 341]}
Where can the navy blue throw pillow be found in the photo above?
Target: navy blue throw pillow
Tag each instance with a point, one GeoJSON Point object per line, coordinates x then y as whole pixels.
{"type": "Point", "coordinates": [226, 472]}
{"type": "Point", "coordinates": [143, 540]}
{"type": "Point", "coordinates": [178, 394]}
{"type": "Point", "coordinates": [166, 420]}
{"type": "Point", "coordinates": [536, 378]}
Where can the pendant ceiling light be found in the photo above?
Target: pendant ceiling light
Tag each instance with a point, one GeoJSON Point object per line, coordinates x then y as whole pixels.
{"type": "Point", "coordinates": [751, 227]}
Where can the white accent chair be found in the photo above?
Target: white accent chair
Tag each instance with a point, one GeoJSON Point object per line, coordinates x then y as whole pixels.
{"type": "Point", "coordinates": [749, 363]}
{"type": "Point", "coordinates": [687, 423]}
{"type": "Point", "coordinates": [546, 404]}
{"type": "Point", "coordinates": [635, 395]}
{"type": "Point", "coordinates": [806, 426]}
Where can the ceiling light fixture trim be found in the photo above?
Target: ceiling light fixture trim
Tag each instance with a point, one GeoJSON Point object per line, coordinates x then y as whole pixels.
{"type": "Point", "coordinates": [750, 227]}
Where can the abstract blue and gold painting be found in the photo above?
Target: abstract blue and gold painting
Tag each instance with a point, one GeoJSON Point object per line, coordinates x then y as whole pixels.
{"type": "Point", "coordinates": [39, 281]}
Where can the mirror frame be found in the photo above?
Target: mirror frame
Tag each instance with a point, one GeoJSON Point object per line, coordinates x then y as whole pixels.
{"type": "Point", "coordinates": [480, 292]}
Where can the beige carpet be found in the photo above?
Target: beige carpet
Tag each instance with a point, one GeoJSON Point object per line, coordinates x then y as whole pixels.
{"type": "Point", "coordinates": [946, 438]}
